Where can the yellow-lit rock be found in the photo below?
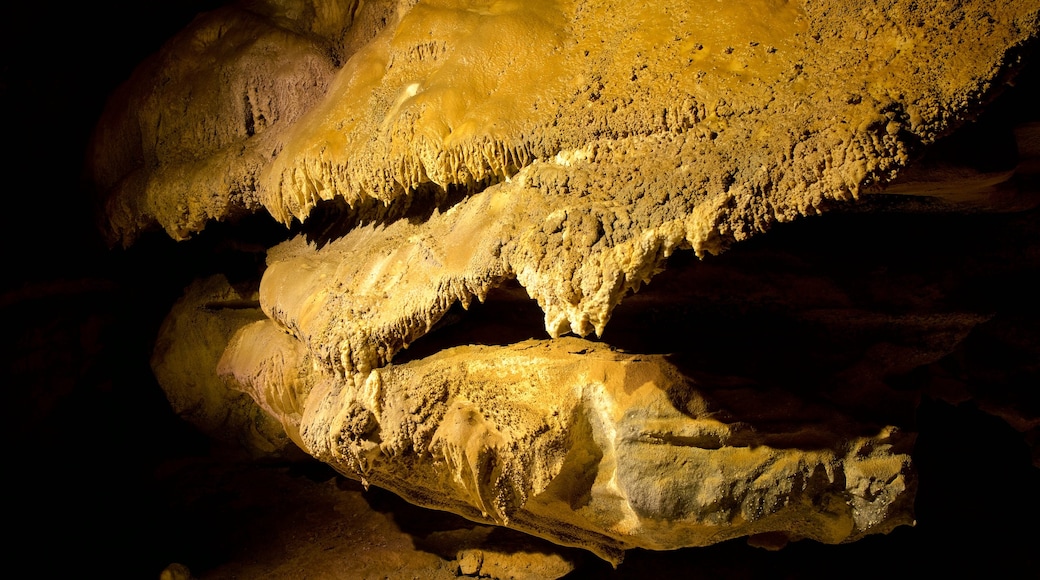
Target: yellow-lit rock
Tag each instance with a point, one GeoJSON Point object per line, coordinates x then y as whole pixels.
{"type": "Point", "coordinates": [190, 342]}
{"type": "Point", "coordinates": [747, 112]}
{"type": "Point", "coordinates": [572, 147]}
{"type": "Point", "coordinates": [573, 442]}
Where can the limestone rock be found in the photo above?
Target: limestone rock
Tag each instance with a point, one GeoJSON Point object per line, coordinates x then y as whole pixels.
{"type": "Point", "coordinates": [184, 141]}
{"type": "Point", "coordinates": [744, 123]}
{"type": "Point", "coordinates": [191, 341]}
{"type": "Point", "coordinates": [566, 151]}
{"type": "Point", "coordinates": [585, 446]}
{"type": "Point", "coordinates": [512, 566]}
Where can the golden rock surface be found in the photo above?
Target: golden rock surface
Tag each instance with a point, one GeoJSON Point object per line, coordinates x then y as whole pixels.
{"type": "Point", "coordinates": [745, 113]}
{"type": "Point", "coordinates": [574, 442]}
{"type": "Point", "coordinates": [572, 147]}
{"type": "Point", "coordinates": [189, 345]}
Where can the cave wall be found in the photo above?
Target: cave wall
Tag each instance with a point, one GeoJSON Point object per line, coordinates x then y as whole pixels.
{"type": "Point", "coordinates": [951, 321]}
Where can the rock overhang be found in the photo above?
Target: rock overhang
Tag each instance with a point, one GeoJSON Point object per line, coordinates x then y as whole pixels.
{"type": "Point", "coordinates": [578, 183]}
{"type": "Point", "coordinates": [395, 116]}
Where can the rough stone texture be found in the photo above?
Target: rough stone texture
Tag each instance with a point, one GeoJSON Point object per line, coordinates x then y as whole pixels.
{"type": "Point", "coordinates": [826, 98]}
{"type": "Point", "coordinates": [518, 566]}
{"type": "Point", "coordinates": [185, 140]}
{"type": "Point", "coordinates": [571, 441]}
{"type": "Point", "coordinates": [190, 343]}
{"type": "Point", "coordinates": [461, 147]}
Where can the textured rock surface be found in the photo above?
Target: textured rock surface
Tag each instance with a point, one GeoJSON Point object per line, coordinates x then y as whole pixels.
{"type": "Point", "coordinates": [246, 108]}
{"type": "Point", "coordinates": [189, 344]}
{"type": "Point", "coordinates": [585, 446]}
{"type": "Point", "coordinates": [450, 149]}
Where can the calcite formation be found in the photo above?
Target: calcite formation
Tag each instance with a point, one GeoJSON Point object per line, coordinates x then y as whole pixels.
{"type": "Point", "coordinates": [433, 153]}
{"type": "Point", "coordinates": [186, 352]}
{"type": "Point", "coordinates": [572, 441]}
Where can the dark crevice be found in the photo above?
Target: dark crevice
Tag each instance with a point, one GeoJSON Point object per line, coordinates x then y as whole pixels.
{"type": "Point", "coordinates": [507, 316]}
{"type": "Point", "coordinates": [330, 220]}
{"type": "Point", "coordinates": [250, 122]}
{"type": "Point", "coordinates": [839, 335]}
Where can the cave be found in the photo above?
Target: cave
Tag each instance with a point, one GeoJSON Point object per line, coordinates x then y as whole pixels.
{"type": "Point", "coordinates": [315, 289]}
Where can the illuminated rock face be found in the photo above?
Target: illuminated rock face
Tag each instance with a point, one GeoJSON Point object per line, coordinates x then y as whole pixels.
{"type": "Point", "coordinates": [571, 441]}
{"type": "Point", "coordinates": [571, 148]}
{"type": "Point", "coordinates": [187, 350]}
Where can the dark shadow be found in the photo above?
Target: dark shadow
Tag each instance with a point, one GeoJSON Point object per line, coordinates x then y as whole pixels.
{"type": "Point", "coordinates": [506, 316]}
{"type": "Point", "coordinates": [330, 220]}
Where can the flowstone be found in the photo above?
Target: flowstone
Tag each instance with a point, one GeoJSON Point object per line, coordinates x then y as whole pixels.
{"type": "Point", "coordinates": [574, 442]}
{"type": "Point", "coordinates": [563, 151]}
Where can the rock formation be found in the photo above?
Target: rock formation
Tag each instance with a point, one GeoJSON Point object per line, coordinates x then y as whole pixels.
{"type": "Point", "coordinates": [200, 326]}
{"type": "Point", "coordinates": [435, 156]}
